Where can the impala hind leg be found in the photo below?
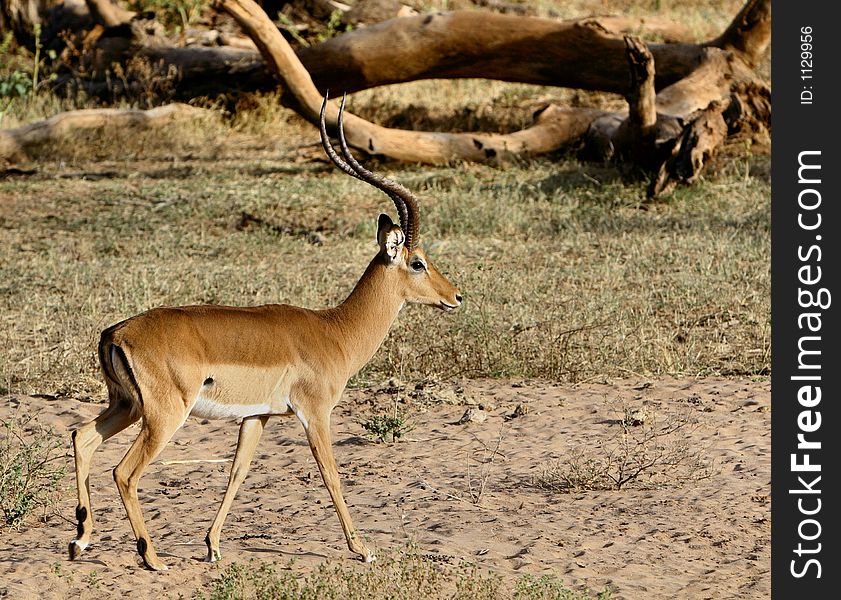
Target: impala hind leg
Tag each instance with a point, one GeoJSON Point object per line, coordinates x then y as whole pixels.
{"type": "Point", "coordinates": [86, 440]}
{"type": "Point", "coordinates": [154, 435]}
{"type": "Point", "coordinates": [249, 435]}
{"type": "Point", "coordinates": [318, 436]}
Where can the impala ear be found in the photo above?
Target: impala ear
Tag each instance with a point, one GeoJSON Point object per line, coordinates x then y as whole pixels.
{"type": "Point", "coordinates": [384, 223]}
{"type": "Point", "coordinates": [390, 237]}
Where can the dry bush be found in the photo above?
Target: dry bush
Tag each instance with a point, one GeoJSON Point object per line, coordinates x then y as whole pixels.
{"type": "Point", "coordinates": [647, 451]}
{"type": "Point", "coordinates": [477, 484]}
{"type": "Point", "coordinates": [151, 85]}
{"type": "Point", "coordinates": [32, 464]}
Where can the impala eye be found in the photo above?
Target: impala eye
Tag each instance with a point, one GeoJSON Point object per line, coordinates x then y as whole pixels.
{"type": "Point", "coordinates": [417, 265]}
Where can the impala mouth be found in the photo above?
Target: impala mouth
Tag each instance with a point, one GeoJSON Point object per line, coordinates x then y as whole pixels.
{"type": "Point", "coordinates": [448, 307]}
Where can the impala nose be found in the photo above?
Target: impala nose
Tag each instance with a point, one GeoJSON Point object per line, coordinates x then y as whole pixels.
{"type": "Point", "coordinates": [458, 298]}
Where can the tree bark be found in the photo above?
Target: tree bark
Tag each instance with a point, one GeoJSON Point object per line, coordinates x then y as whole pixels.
{"type": "Point", "coordinates": [584, 54]}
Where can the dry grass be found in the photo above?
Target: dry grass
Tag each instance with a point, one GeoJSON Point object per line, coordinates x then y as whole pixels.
{"type": "Point", "coordinates": [566, 272]}
{"type": "Point", "coordinates": [703, 19]}
{"type": "Point", "coordinates": [558, 284]}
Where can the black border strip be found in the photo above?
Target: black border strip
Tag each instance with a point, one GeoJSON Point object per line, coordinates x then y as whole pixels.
{"type": "Point", "coordinates": [805, 234]}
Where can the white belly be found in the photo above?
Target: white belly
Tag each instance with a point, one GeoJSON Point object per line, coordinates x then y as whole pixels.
{"type": "Point", "coordinates": [204, 408]}
{"type": "Point", "coordinates": [265, 393]}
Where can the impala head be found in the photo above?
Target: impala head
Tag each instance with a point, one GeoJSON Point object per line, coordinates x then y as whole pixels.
{"type": "Point", "coordinates": [407, 264]}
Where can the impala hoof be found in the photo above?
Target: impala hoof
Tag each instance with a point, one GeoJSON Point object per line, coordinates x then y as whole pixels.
{"type": "Point", "coordinates": [150, 559]}
{"type": "Point", "coordinates": [155, 565]}
{"type": "Point", "coordinates": [213, 556]}
{"type": "Point", "coordinates": [75, 549]}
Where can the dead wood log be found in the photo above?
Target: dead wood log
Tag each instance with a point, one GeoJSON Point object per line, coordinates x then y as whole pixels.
{"type": "Point", "coordinates": [553, 127]}
{"type": "Point", "coordinates": [697, 144]}
{"type": "Point", "coordinates": [585, 54]}
{"type": "Point", "coordinates": [722, 97]}
{"type": "Point", "coordinates": [582, 54]}
{"type": "Point", "coordinates": [675, 133]}
{"type": "Point", "coordinates": [637, 132]}
{"type": "Point", "coordinates": [15, 144]}
{"type": "Point", "coordinates": [672, 133]}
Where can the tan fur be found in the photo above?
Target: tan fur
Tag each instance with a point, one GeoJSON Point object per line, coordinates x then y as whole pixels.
{"type": "Point", "coordinates": [278, 359]}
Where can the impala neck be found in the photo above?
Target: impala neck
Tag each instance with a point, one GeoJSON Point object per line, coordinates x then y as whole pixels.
{"type": "Point", "coordinates": [362, 321]}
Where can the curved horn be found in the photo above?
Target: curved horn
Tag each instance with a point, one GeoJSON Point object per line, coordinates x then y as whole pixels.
{"type": "Point", "coordinates": [365, 175]}
{"type": "Point", "coordinates": [409, 215]}
{"type": "Point", "coordinates": [328, 147]}
{"type": "Point", "coordinates": [405, 202]}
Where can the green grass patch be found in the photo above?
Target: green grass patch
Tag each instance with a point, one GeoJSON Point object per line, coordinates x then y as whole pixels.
{"type": "Point", "coordinates": [404, 575]}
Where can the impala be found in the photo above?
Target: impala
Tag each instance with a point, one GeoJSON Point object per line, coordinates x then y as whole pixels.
{"type": "Point", "coordinates": [249, 364]}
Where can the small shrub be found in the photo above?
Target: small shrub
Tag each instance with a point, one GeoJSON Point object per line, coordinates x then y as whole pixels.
{"type": "Point", "coordinates": [549, 587]}
{"type": "Point", "coordinates": [16, 84]}
{"type": "Point", "coordinates": [19, 75]}
{"type": "Point", "coordinates": [32, 465]}
{"type": "Point", "coordinates": [646, 452]}
{"type": "Point", "coordinates": [387, 428]}
{"type": "Point", "coordinates": [254, 581]}
{"type": "Point", "coordinates": [333, 27]}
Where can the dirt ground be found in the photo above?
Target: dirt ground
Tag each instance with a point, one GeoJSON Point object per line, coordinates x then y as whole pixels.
{"type": "Point", "coordinates": [707, 539]}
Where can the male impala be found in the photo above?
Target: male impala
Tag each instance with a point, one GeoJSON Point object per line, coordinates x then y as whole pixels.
{"type": "Point", "coordinates": [253, 363]}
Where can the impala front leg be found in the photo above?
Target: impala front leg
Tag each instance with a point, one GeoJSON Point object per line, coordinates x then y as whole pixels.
{"type": "Point", "coordinates": [249, 435]}
{"type": "Point", "coordinates": [318, 436]}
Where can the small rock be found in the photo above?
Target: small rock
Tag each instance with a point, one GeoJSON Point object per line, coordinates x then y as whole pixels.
{"type": "Point", "coordinates": [471, 415]}
{"type": "Point", "coordinates": [636, 417]}
{"type": "Point", "coordinates": [519, 411]}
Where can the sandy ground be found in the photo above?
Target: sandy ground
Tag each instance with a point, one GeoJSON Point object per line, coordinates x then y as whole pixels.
{"type": "Point", "coordinates": [706, 539]}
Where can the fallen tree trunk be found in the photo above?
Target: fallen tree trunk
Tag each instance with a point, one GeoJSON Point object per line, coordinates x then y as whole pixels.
{"type": "Point", "coordinates": [673, 132]}
{"type": "Point", "coordinates": [17, 143]}
{"type": "Point", "coordinates": [585, 54]}
{"type": "Point", "coordinates": [553, 127]}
